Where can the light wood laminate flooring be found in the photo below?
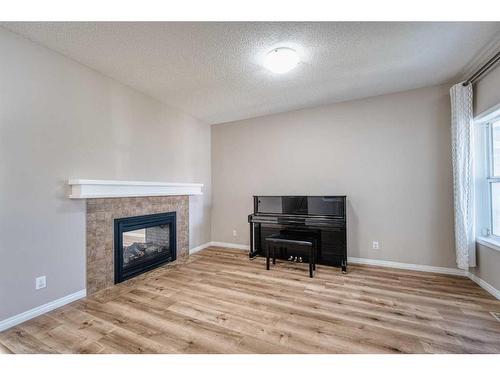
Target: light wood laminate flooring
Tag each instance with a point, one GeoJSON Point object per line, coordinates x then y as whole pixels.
{"type": "Point", "coordinates": [219, 301]}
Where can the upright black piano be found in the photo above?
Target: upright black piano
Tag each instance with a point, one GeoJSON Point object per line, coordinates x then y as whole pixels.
{"type": "Point", "coordinates": [321, 217]}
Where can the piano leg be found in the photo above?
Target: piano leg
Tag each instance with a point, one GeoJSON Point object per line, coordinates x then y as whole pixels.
{"type": "Point", "coordinates": [344, 267]}
{"type": "Point", "coordinates": [267, 256]}
{"type": "Point", "coordinates": [251, 241]}
{"type": "Point", "coordinates": [314, 252]}
{"type": "Point", "coordinates": [311, 261]}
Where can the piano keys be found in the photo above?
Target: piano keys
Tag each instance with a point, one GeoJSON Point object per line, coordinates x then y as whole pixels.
{"type": "Point", "coordinates": [321, 217]}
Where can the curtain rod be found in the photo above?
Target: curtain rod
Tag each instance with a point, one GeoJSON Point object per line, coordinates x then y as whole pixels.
{"type": "Point", "coordinates": [482, 70]}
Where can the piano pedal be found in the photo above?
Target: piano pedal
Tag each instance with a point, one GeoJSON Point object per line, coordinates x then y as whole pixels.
{"type": "Point", "coordinates": [295, 259]}
{"type": "Point", "coordinates": [290, 258]}
{"type": "Point", "coordinates": [300, 259]}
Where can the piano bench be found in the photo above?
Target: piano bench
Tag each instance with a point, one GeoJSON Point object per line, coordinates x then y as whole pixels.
{"type": "Point", "coordinates": [282, 240]}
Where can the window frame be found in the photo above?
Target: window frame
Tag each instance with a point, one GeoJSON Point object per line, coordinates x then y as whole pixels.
{"type": "Point", "coordinates": [491, 178]}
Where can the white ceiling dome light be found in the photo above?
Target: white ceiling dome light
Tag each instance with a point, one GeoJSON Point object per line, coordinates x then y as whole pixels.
{"type": "Point", "coordinates": [281, 60]}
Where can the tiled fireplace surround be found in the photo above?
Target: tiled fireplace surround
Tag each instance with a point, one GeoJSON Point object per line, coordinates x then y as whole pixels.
{"type": "Point", "coordinates": [101, 213]}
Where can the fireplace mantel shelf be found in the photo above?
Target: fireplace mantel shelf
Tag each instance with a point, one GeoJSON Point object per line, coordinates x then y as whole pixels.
{"type": "Point", "coordinates": [82, 189]}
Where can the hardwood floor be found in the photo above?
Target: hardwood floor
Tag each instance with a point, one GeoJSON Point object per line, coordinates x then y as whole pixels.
{"type": "Point", "coordinates": [221, 302]}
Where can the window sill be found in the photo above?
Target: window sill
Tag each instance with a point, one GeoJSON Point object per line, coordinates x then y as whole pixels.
{"type": "Point", "coordinates": [489, 242]}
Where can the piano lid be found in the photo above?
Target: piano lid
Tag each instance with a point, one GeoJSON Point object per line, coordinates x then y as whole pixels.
{"type": "Point", "coordinates": [300, 205]}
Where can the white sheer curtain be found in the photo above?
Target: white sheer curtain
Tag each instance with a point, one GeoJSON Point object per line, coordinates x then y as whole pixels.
{"type": "Point", "coordinates": [463, 186]}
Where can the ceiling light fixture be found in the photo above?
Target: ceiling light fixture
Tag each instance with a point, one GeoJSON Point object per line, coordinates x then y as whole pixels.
{"type": "Point", "coordinates": [281, 60]}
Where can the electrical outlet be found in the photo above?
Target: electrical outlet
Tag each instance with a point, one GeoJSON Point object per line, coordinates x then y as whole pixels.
{"type": "Point", "coordinates": [235, 233]}
{"type": "Point", "coordinates": [375, 245]}
{"type": "Point", "coordinates": [40, 282]}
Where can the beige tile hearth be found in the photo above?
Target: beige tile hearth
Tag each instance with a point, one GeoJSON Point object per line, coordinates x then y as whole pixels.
{"type": "Point", "coordinates": [101, 213]}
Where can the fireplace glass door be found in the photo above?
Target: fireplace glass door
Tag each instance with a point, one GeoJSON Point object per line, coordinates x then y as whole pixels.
{"type": "Point", "coordinates": [142, 243]}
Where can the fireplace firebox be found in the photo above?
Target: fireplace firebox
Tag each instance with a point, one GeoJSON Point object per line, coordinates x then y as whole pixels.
{"type": "Point", "coordinates": [143, 243]}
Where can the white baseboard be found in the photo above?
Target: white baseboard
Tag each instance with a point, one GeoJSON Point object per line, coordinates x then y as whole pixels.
{"type": "Point", "coordinates": [199, 248]}
{"type": "Point", "coordinates": [230, 245]}
{"type": "Point", "coordinates": [219, 244]}
{"type": "Point", "coordinates": [30, 314]}
{"type": "Point", "coordinates": [407, 266]}
{"type": "Point", "coordinates": [483, 284]}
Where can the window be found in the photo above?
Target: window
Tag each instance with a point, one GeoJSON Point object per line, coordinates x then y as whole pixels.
{"type": "Point", "coordinates": [487, 176]}
{"type": "Point", "coordinates": [493, 153]}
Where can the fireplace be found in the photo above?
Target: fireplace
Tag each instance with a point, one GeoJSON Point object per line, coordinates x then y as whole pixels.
{"type": "Point", "coordinates": [143, 243]}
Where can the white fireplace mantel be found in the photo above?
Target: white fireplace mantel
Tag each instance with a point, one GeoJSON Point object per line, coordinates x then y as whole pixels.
{"type": "Point", "coordinates": [82, 189]}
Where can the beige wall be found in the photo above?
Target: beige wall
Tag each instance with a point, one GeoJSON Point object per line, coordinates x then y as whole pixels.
{"type": "Point", "coordinates": [487, 95]}
{"type": "Point", "coordinates": [389, 154]}
{"type": "Point", "coordinates": [60, 120]}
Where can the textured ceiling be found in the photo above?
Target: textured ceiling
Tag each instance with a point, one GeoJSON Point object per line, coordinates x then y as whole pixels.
{"type": "Point", "coordinates": [213, 71]}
